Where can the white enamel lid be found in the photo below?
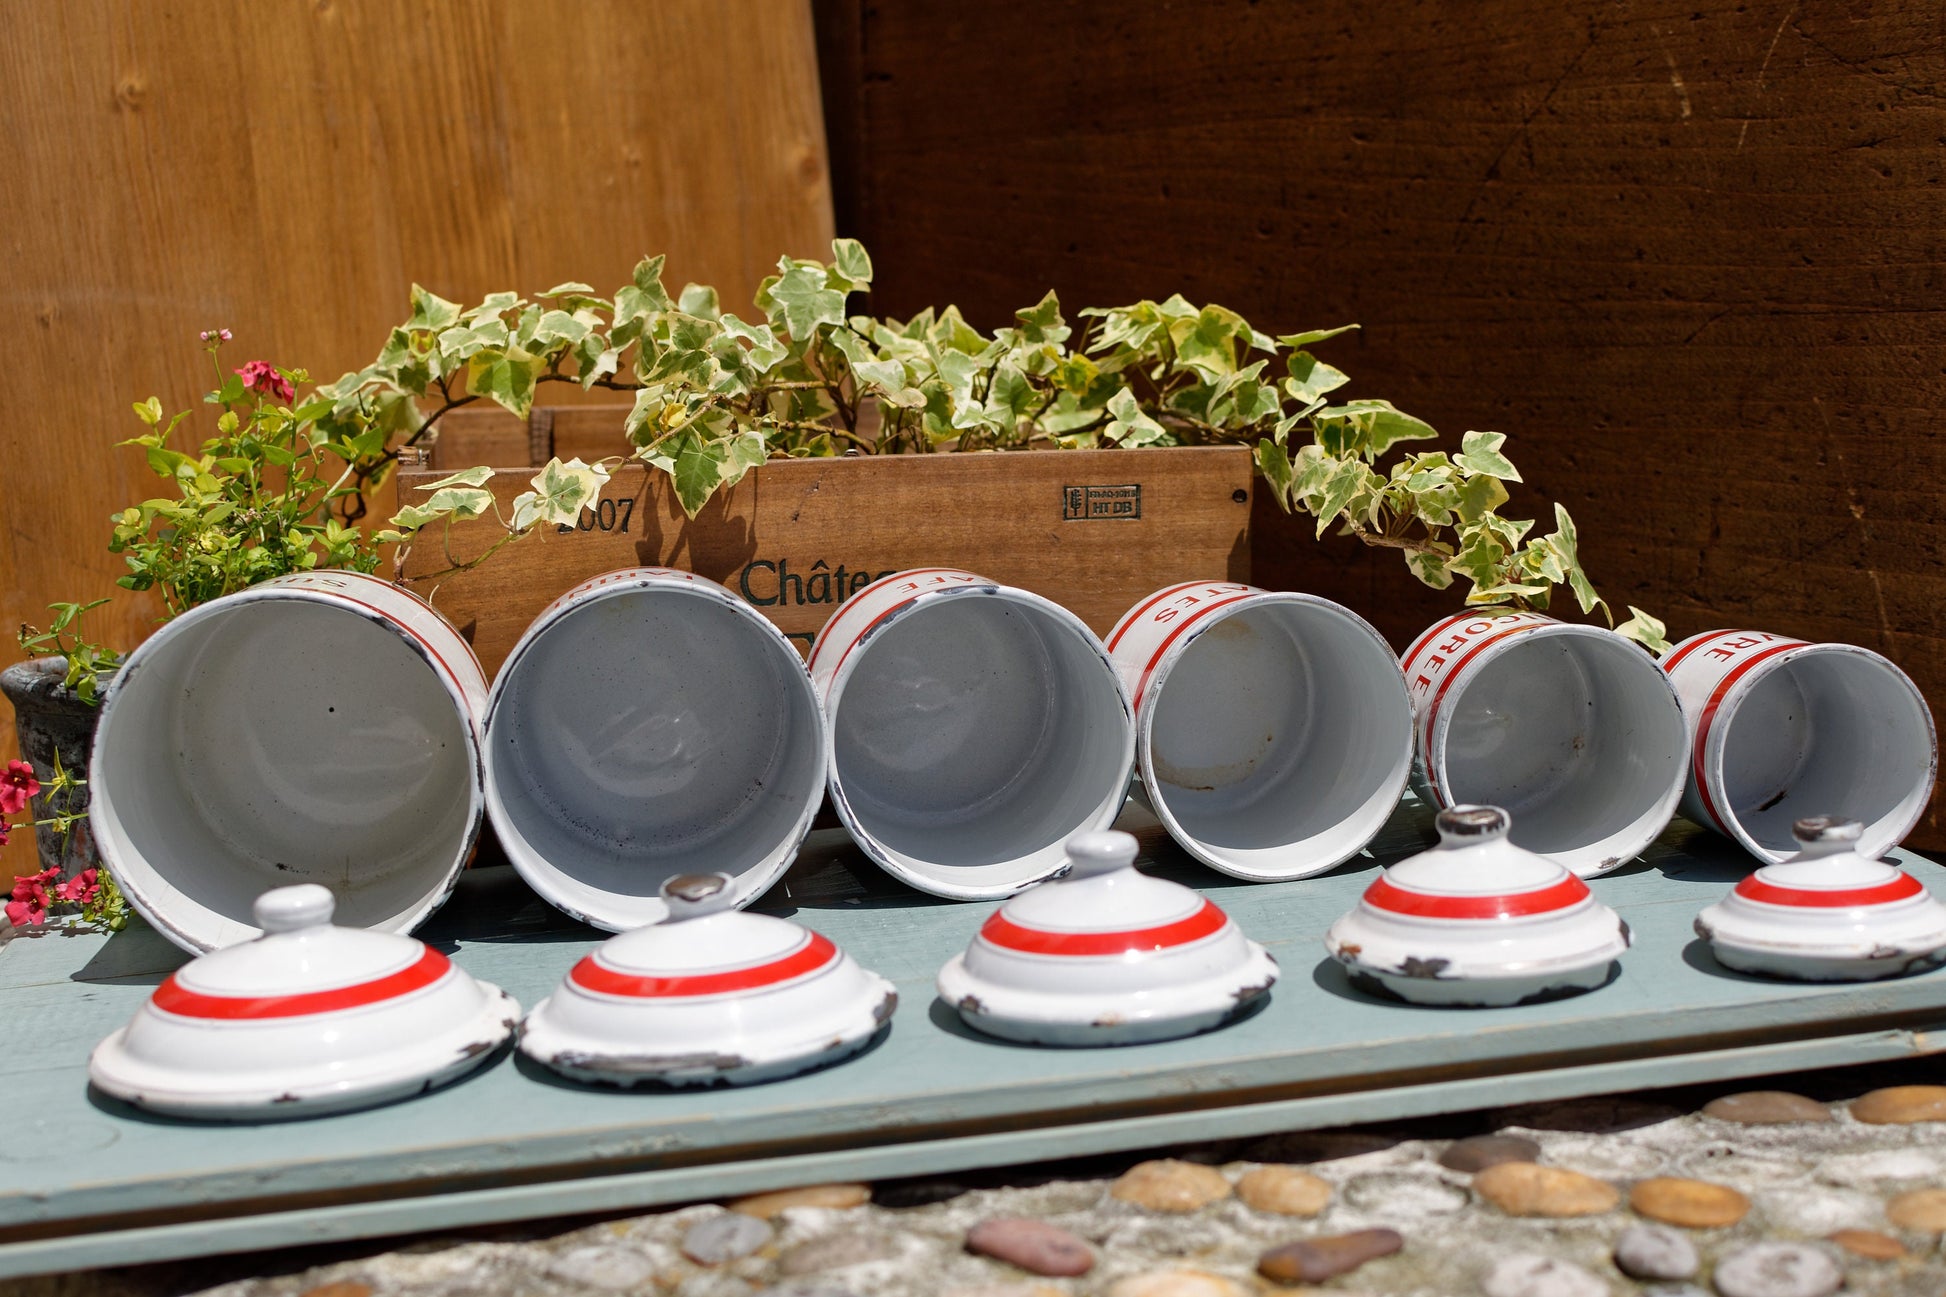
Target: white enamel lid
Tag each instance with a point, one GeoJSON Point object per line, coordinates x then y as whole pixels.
{"type": "Point", "coordinates": [1829, 902]}
{"type": "Point", "coordinates": [1477, 906]}
{"type": "Point", "coordinates": [711, 993]}
{"type": "Point", "coordinates": [1105, 943]}
{"type": "Point", "coordinates": [308, 1017]}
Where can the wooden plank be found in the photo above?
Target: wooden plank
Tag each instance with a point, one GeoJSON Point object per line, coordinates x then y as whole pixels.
{"type": "Point", "coordinates": [154, 191]}
{"type": "Point", "coordinates": [481, 434]}
{"type": "Point", "coordinates": [1686, 255]}
{"type": "Point", "coordinates": [511, 1142]}
{"type": "Point", "coordinates": [587, 432]}
{"type": "Point", "coordinates": [1093, 530]}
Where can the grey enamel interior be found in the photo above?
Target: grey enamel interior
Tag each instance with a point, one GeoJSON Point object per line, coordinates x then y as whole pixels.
{"type": "Point", "coordinates": [1283, 729]}
{"type": "Point", "coordinates": [977, 729]}
{"type": "Point", "coordinates": [284, 741]}
{"type": "Point", "coordinates": [1827, 733]}
{"type": "Point", "coordinates": [1577, 734]}
{"type": "Point", "coordinates": [652, 733]}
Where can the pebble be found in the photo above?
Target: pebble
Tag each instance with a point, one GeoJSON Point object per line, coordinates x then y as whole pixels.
{"type": "Point", "coordinates": [1033, 1245]}
{"type": "Point", "coordinates": [835, 1252]}
{"type": "Point", "coordinates": [1674, 1290]}
{"type": "Point", "coordinates": [1655, 1252]}
{"type": "Point", "coordinates": [1483, 1151]}
{"type": "Point", "coordinates": [1693, 1204]}
{"type": "Point", "coordinates": [766, 1205]}
{"type": "Point", "coordinates": [343, 1288]}
{"type": "Point", "coordinates": [1169, 1185]}
{"type": "Point", "coordinates": [1313, 1260]}
{"type": "Point", "coordinates": [1777, 1270]}
{"type": "Point", "coordinates": [802, 1288]}
{"type": "Point", "coordinates": [1528, 1275]}
{"type": "Point", "coordinates": [717, 1239]}
{"type": "Point", "coordinates": [1007, 1290]}
{"type": "Point", "coordinates": [1923, 1211]}
{"type": "Point", "coordinates": [615, 1268]}
{"type": "Point", "coordinates": [1284, 1190]}
{"type": "Point", "coordinates": [1766, 1108]}
{"type": "Point", "coordinates": [1870, 1244]}
{"type": "Point", "coordinates": [1175, 1283]}
{"type": "Point", "coordinates": [1524, 1189]}
{"type": "Point", "coordinates": [1902, 1105]}
{"type": "Point", "coordinates": [1868, 1169]}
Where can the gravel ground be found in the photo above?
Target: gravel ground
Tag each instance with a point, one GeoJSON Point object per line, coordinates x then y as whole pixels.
{"type": "Point", "coordinates": [1841, 1187]}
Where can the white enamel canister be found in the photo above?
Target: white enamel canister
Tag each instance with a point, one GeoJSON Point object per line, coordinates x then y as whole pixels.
{"type": "Point", "coordinates": [306, 1019]}
{"type": "Point", "coordinates": [707, 996]}
{"type": "Point", "coordinates": [1272, 729]}
{"type": "Point", "coordinates": [650, 724]}
{"type": "Point", "coordinates": [975, 727]}
{"type": "Point", "coordinates": [1784, 729]}
{"type": "Point", "coordinates": [1828, 914]}
{"type": "Point", "coordinates": [1106, 955]}
{"type": "Point", "coordinates": [321, 727]}
{"type": "Point", "coordinates": [1572, 729]}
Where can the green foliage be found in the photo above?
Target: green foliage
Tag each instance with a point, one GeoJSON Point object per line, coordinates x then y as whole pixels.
{"type": "Point", "coordinates": [714, 395]}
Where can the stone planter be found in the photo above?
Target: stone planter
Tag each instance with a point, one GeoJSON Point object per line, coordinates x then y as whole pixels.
{"type": "Point", "coordinates": [49, 718]}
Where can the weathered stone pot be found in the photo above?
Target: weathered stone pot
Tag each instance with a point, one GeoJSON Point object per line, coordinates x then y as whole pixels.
{"type": "Point", "coordinates": [49, 718]}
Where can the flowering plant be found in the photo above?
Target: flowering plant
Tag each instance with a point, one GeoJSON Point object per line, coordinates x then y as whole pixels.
{"type": "Point", "coordinates": [100, 901]}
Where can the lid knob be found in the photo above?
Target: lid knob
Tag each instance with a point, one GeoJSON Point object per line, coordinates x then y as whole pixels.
{"type": "Point", "coordinates": [691, 896]}
{"type": "Point", "coordinates": [1100, 852]}
{"type": "Point", "coordinates": [290, 909]}
{"type": "Point", "coordinates": [1463, 826]}
{"type": "Point", "coordinates": [1826, 835]}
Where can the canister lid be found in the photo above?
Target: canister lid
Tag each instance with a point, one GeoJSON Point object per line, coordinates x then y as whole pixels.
{"type": "Point", "coordinates": [308, 1017]}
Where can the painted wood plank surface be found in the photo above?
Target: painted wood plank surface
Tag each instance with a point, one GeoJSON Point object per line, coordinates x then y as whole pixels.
{"type": "Point", "coordinates": [511, 1139]}
{"type": "Point", "coordinates": [1094, 530]}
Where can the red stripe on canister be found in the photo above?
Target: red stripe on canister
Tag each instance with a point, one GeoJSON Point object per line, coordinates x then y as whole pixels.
{"type": "Point", "coordinates": [811, 662]}
{"type": "Point", "coordinates": [1426, 637]}
{"type": "Point", "coordinates": [1155, 658]}
{"type": "Point", "coordinates": [1675, 659]}
{"type": "Point", "coordinates": [1901, 888]}
{"type": "Point", "coordinates": [816, 952]}
{"type": "Point", "coordinates": [173, 997]}
{"type": "Point", "coordinates": [1446, 683]}
{"type": "Point", "coordinates": [1383, 895]}
{"type": "Point", "coordinates": [1008, 935]}
{"type": "Point", "coordinates": [1708, 718]}
{"type": "Point", "coordinates": [1135, 613]}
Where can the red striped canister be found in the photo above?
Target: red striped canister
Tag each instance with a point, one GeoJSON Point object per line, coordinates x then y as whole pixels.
{"type": "Point", "coordinates": [1783, 729]}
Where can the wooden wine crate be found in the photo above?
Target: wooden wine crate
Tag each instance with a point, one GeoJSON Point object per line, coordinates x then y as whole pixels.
{"type": "Point", "coordinates": [1093, 530]}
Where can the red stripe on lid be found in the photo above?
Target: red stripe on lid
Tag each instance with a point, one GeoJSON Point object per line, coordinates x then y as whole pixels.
{"type": "Point", "coordinates": [1393, 899]}
{"type": "Point", "coordinates": [1008, 935]}
{"type": "Point", "coordinates": [1904, 887]}
{"type": "Point", "coordinates": [816, 952]}
{"type": "Point", "coordinates": [173, 997]}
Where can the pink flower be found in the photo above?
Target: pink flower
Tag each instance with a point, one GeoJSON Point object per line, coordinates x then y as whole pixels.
{"type": "Point", "coordinates": [29, 904]}
{"type": "Point", "coordinates": [5, 830]}
{"type": "Point", "coordinates": [262, 377]}
{"type": "Point", "coordinates": [81, 888]}
{"type": "Point", "coordinates": [17, 786]}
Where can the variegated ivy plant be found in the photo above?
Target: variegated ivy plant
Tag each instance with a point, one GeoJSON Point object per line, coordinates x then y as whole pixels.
{"type": "Point", "coordinates": [715, 395]}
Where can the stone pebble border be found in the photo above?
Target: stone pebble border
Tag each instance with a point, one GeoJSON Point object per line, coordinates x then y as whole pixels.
{"type": "Point", "coordinates": [1754, 1194]}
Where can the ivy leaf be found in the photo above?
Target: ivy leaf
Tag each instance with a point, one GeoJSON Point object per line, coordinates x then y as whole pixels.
{"type": "Point", "coordinates": [1209, 346]}
{"type": "Point", "coordinates": [461, 501]}
{"type": "Point", "coordinates": [699, 300]}
{"type": "Point", "coordinates": [1042, 322]}
{"type": "Point", "coordinates": [555, 327]}
{"type": "Point", "coordinates": [1130, 426]}
{"type": "Point", "coordinates": [1010, 397]}
{"type": "Point", "coordinates": [1479, 496]}
{"type": "Point", "coordinates": [431, 313]}
{"type": "Point", "coordinates": [1480, 557]}
{"type": "Point", "coordinates": [1274, 463]}
{"type": "Point", "coordinates": [803, 302]}
{"type": "Point", "coordinates": [506, 377]}
{"type": "Point", "coordinates": [572, 288]}
{"type": "Point", "coordinates": [1645, 630]}
{"type": "Point", "coordinates": [493, 307]}
{"type": "Point", "coordinates": [476, 476]}
{"type": "Point", "coordinates": [647, 281]}
{"type": "Point", "coordinates": [851, 264]}
{"type": "Point", "coordinates": [560, 492]}
{"type": "Point", "coordinates": [594, 360]}
{"type": "Point", "coordinates": [1431, 569]}
{"type": "Point", "coordinates": [765, 349]}
{"type": "Point", "coordinates": [1345, 482]}
{"type": "Point", "coordinates": [1508, 591]}
{"type": "Point", "coordinates": [1567, 543]}
{"type": "Point", "coordinates": [1480, 453]}
{"type": "Point", "coordinates": [1311, 378]}
{"type": "Point", "coordinates": [1297, 341]}
{"type": "Point", "coordinates": [697, 468]}
{"type": "Point", "coordinates": [744, 451]}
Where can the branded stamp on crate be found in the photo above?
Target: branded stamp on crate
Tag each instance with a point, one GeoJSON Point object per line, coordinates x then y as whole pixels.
{"type": "Point", "coordinates": [796, 538]}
